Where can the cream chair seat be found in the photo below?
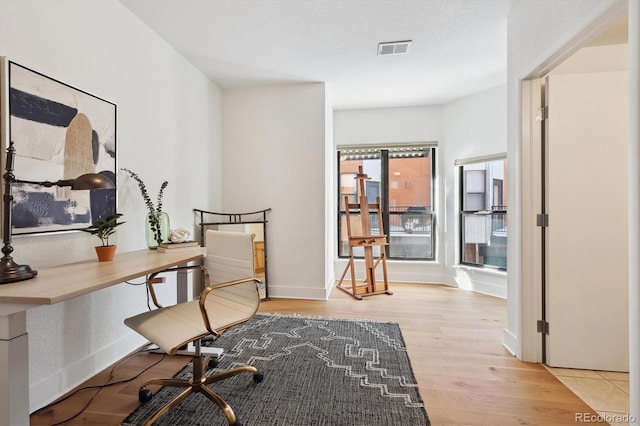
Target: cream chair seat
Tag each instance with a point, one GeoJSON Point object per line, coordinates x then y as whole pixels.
{"type": "Point", "coordinates": [229, 298]}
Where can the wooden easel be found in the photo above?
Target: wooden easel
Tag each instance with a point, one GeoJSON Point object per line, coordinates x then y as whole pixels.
{"type": "Point", "coordinates": [367, 241]}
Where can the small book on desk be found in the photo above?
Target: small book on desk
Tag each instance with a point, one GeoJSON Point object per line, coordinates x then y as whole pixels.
{"type": "Point", "coordinates": [173, 250]}
{"type": "Point", "coordinates": [171, 247]}
{"type": "Point", "coordinates": [179, 245]}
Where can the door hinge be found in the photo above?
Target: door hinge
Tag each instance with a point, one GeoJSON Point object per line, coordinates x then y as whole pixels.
{"type": "Point", "coordinates": [543, 327]}
{"type": "Point", "coordinates": [542, 113]}
{"type": "Point", "coordinates": [542, 220]}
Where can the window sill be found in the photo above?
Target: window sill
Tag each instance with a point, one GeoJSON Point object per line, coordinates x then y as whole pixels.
{"type": "Point", "coordinates": [395, 261]}
{"type": "Point", "coordinates": [480, 269]}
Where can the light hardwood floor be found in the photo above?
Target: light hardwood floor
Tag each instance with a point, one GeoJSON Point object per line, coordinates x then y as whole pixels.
{"type": "Point", "coordinates": [454, 339]}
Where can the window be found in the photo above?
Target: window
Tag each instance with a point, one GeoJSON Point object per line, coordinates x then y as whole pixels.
{"type": "Point", "coordinates": [403, 179]}
{"type": "Point", "coordinates": [483, 214]}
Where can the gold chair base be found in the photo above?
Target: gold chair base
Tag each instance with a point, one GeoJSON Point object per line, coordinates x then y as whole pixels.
{"type": "Point", "coordinates": [198, 383]}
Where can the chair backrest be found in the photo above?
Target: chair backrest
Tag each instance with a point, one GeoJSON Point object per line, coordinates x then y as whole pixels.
{"type": "Point", "coordinates": [229, 255]}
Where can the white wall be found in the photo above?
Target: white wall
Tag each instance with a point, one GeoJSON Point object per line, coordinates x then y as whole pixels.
{"type": "Point", "coordinates": [168, 127]}
{"type": "Point", "coordinates": [330, 203]}
{"type": "Point", "coordinates": [274, 157]}
{"type": "Point", "coordinates": [388, 125]}
{"type": "Point", "coordinates": [470, 127]}
{"type": "Point", "coordinates": [473, 127]}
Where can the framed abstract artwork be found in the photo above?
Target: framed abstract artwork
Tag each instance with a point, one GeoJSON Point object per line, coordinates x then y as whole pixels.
{"type": "Point", "coordinates": [59, 132]}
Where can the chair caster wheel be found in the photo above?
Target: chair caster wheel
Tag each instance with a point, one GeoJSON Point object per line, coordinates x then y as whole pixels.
{"type": "Point", "coordinates": [237, 423]}
{"type": "Point", "coordinates": [258, 377]}
{"type": "Point", "coordinates": [213, 363]}
{"type": "Point", "coordinates": [145, 395]}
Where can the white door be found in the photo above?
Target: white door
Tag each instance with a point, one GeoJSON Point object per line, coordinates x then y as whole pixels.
{"type": "Point", "coordinates": [586, 238]}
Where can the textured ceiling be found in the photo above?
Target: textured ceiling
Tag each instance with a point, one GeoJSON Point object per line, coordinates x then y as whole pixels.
{"type": "Point", "coordinates": [459, 46]}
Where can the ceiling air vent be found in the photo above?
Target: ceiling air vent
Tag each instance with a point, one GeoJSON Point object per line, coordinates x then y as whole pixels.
{"type": "Point", "coordinates": [394, 47]}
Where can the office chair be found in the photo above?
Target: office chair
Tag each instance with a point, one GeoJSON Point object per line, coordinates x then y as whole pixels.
{"type": "Point", "coordinates": [230, 299]}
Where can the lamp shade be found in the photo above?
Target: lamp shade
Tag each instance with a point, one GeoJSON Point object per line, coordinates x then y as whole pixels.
{"type": "Point", "coordinates": [92, 181]}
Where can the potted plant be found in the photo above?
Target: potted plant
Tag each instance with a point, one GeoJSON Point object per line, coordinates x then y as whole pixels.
{"type": "Point", "coordinates": [158, 227]}
{"type": "Point", "coordinates": [103, 230]}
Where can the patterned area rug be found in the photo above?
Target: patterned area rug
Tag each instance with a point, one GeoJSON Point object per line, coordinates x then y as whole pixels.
{"type": "Point", "coordinates": [316, 372]}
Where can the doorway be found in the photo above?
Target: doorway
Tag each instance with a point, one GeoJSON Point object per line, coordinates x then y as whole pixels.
{"type": "Point", "coordinates": [572, 257]}
{"type": "Point", "coordinates": [585, 248]}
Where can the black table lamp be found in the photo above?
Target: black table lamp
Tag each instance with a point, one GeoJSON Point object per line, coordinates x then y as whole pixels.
{"type": "Point", "coordinates": [10, 271]}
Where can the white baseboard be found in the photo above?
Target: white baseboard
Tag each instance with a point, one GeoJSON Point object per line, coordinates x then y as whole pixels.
{"type": "Point", "coordinates": [486, 281]}
{"type": "Point", "coordinates": [510, 342]}
{"type": "Point", "coordinates": [311, 293]}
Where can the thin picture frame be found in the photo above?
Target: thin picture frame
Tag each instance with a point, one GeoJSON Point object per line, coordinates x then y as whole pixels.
{"type": "Point", "coordinates": [58, 132]}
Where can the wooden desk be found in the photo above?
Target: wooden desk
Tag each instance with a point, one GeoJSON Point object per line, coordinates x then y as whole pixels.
{"type": "Point", "coordinates": [55, 285]}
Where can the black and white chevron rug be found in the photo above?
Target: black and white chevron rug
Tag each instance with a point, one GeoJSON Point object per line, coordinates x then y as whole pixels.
{"type": "Point", "coordinates": [317, 371]}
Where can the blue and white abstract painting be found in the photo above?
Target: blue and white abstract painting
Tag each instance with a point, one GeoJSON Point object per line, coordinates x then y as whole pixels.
{"type": "Point", "coordinates": [59, 132]}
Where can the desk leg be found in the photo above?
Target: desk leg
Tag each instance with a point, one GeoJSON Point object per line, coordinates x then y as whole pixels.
{"type": "Point", "coordinates": [14, 369]}
{"type": "Point", "coordinates": [182, 286]}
